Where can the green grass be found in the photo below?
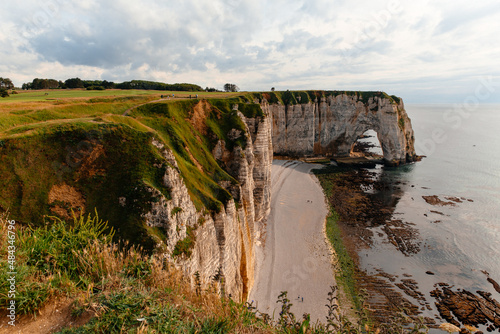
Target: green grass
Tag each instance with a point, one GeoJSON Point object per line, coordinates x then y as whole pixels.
{"type": "Point", "coordinates": [65, 111]}
{"type": "Point", "coordinates": [39, 95]}
{"type": "Point", "coordinates": [185, 246]}
{"type": "Point", "coordinates": [47, 260]}
{"type": "Point", "coordinates": [346, 276]}
{"type": "Point", "coordinates": [54, 94]}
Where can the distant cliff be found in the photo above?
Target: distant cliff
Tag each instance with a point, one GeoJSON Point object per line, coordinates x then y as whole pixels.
{"type": "Point", "coordinates": [331, 122]}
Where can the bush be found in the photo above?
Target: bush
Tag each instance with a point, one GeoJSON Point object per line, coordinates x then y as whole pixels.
{"type": "Point", "coordinates": [185, 246]}
{"type": "Point", "coordinates": [96, 88]}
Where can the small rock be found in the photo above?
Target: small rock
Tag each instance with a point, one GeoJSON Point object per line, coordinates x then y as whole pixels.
{"type": "Point", "coordinates": [429, 272]}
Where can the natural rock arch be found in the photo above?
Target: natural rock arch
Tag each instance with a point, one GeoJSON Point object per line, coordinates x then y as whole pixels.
{"type": "Point", "coordinates": [330, 125]}
{"type": "Point", "coordinates": [374, 147]}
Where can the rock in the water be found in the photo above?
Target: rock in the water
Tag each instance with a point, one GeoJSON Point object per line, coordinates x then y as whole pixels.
{"type": "Point", "coordinates": [464, 307]}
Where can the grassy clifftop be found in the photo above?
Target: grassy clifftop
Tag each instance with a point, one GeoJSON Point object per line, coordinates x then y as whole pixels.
{"type": "Point", "coordinates": [298, 97]}
{"type": "Point", "coordinates": [98, 287]}
{"type": "Point", "coordinates": [82, 155]}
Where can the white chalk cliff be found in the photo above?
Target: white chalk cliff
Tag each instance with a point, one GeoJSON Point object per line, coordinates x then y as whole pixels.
{"type": "Point", "coordinates": [331, 125]}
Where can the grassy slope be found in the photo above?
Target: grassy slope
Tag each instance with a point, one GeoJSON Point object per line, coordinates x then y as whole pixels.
{"type": "Point", "coordinates": [90, 146]}
{"type": "Point", "coordinates": [346, 276]}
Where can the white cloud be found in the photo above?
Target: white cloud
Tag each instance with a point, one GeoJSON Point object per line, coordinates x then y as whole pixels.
{"type": "Point", "coordinates": [399, 46]}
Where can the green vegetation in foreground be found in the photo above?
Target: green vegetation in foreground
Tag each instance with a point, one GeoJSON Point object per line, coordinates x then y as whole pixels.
{"type": "Point", "coordinates": [119, 289]}
{"type": "Point", "coordinates": [113, 289]}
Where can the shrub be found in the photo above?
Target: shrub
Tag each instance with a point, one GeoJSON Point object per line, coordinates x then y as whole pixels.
{"type": "Point", "coordinates": [176, 210]}
{"type": "Point", "coordinates": [185, 246]}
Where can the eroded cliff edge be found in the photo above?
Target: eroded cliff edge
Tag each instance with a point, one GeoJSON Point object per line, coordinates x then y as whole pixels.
{"type": "Point", "coordinates": [224, 241]}
{"type": "Point", "coordinates": [329, 125]}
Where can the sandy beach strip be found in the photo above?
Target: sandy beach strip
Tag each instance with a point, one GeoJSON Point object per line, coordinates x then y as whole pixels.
{"type": "Point", "coordinates": [294, 255]}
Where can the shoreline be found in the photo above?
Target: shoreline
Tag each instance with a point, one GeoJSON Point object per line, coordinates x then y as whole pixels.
{"type": "Point", "coordinates": [297, 259]}
{"type": "Point", "coordinates": [385, 244]}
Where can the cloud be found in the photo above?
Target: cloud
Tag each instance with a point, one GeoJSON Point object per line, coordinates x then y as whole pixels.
{"type": "Point", "coordinates": [464, 15]}
{"type": "Point", "coordinates": [255, 43]}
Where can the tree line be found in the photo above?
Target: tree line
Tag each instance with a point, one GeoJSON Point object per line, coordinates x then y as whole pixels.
{"type": "Point", "coordinates": [71, 83]}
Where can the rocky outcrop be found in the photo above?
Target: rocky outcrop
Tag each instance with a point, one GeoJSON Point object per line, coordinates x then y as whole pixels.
{"type": "Point", "coordinates": [331, 125]}
{"type": "Point", "coordinates": [464, 307]}
{"type": "Point", "coordinates": [224, 242]}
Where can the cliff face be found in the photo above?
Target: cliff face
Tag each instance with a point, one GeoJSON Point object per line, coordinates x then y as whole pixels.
{"type": "Point", "coordinates": [331, 125]}
{"type": "Point", "coordinates": [224, 241]}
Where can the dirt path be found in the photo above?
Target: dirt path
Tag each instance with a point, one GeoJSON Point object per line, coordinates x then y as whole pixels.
{"type": "Point", "coordinates": [294, 256]}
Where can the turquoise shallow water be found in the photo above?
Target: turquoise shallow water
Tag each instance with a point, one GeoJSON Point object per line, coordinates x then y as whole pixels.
{"type": "Point", "coordinates": [463, 160]}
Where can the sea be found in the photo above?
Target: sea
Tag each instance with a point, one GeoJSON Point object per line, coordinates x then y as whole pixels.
{"type": "Point", "coordinates": [458, 244]}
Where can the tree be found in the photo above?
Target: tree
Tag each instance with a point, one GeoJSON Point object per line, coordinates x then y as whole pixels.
{"type": "Point", "coordinates": [6, 83]}
{"type": "Point", "coordinates": [74, 83]}
{"type": "Point", "coordinates": [231, 87]}
{"type": "Point", "coordinates": [108, 84]}
{"type": "Point", "coordinates": [4, 92]}
{"type": "Point", "coordinates": [272, 89]}
{"type": "Point", "coordinates": [38, 83]}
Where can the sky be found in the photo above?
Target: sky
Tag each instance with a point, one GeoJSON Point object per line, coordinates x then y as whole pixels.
{"type": "Point", "coordinates": [423, 51]}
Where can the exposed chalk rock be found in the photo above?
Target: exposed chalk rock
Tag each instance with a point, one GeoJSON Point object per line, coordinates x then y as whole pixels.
{"type": "Point", "coordinates": [225, 241]}
{"type": "Point", "coordinates": [330, 126]}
